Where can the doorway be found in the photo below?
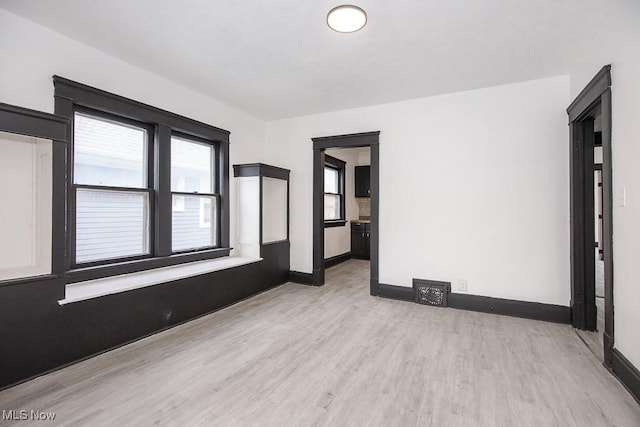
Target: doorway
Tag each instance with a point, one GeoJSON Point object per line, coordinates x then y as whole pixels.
{"type": "Point", "coordinates": [591, 110]}
{"type": "Point", "coordinates": [320, 145]}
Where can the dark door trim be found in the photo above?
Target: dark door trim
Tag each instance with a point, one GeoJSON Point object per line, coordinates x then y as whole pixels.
{"type": "Point", "coordinates": [367, 139]}
{"type": "Point", "coordinates": [596, 95]}
{"type": "Point", "coordinates": [583, 295]}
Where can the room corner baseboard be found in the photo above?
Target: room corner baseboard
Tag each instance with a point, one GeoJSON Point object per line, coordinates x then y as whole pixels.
{"type": "Point", "coordinates": [628, 374]}
{"type": "Point", "coordinates": [524, 309]}
{"type": "Point", "coordinates": [515, 308]}
{"type": "Point", "coordinates": [301, 278]}
{"type": "Point", "coordinates": [338, 259]}
{"type": "Point", "coordinates": [401, 293]}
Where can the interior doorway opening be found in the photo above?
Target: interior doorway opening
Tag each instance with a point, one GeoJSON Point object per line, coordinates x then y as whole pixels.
{"type": "Point", "coordinates": [594, 339]}
{"type": "Point", "coordinates": [330, 195]}
{"type": "Point", "coordinates": [347, 213]}
{"type": "Point", "coordinates": [592, 215]}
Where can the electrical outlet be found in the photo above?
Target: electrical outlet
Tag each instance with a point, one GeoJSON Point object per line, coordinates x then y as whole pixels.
{"type": "Point", "coordinates": [462, 285]}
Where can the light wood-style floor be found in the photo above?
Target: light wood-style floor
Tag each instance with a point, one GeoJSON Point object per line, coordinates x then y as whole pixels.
{"type": "Point", "coordinates": [299, 355]}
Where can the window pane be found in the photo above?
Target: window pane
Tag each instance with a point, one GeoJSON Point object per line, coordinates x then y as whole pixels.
{"type": "Point", "coordinates": [331, 180]}
{"type": "Point", "coordinates": [331, 206]}
{"type": "Point", "coordinates": [109, 153]}
{"type": "Point", "coordinates": [191, 166]}
{"type": "Point", "coordinates": [196, 225]}
{"type": "Point", "coordinates": [25, 217]}
{"type": "Point", "coordinates": [111, 224]}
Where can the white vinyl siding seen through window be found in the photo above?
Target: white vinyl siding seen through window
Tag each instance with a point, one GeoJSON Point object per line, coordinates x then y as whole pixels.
{"type": "Point", "coordinates": [111, 224]}
{"type": "Point", "coordinates": [144, 186]}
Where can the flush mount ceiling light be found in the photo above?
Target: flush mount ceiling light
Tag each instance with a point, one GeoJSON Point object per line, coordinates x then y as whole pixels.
{"type": "Point", "coordinates": [346, 18]}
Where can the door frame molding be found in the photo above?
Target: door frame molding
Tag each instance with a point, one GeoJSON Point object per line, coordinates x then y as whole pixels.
{"type": "Point", "coordinates": [320, 144]}
{"type": "Point", "coordinates": [596, 94]}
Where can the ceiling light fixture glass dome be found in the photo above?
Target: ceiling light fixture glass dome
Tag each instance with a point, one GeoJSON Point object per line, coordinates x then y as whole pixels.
{"type": "Point", "coordinates": [346, 18]}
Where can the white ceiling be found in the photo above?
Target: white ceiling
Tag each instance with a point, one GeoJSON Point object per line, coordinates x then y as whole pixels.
{"type": "Point", "coordinates": [277, 58]}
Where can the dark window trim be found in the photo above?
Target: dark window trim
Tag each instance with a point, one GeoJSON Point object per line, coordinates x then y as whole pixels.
{"type": "Point", "coordinates": [72, 195]}
{"type": "Point", "coordinates": [340, 166]}
{"type": "Point", "coordinates": [72, 96]}
{"type": "Point", "coordinates": [334, 223]}
{"type": "Point", "coordinates": [334, 162]}
{"type": "Point", "coordinates": [81, 94]}
{"type": "Point", "coordinates": [134, 266]}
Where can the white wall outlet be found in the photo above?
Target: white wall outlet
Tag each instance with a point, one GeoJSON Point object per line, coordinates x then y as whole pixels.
{"type": "Point", "coordinates": [462, 285]}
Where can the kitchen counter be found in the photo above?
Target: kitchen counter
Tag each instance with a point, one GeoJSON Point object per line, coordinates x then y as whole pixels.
{"type": "Point", "coordinates": [360, 221]}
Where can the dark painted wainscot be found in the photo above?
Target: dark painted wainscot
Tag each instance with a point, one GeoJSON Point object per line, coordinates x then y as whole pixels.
{"type": "Point", "coordinates": [39, 335]}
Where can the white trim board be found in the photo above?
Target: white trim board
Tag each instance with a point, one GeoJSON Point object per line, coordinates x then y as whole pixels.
{"type": "Point", "coordinates": [81, 291]}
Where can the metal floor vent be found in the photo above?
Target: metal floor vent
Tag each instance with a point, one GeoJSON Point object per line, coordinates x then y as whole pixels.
{"type": "Point", "coordinates": [431, 292]}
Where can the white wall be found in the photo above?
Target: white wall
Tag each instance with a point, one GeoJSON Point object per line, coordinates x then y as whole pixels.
{"type": "Point", "coordinates": [247, 215]}
{"type": "Point", "coordinates": [274, 210]}
{"type": "Point", "coordinates": [460, 187]}
{"type": "Point", "coordinates": [32, 54]}
{"type": "Point", "coordinates": [337, 240]}
{"type": "Point", "coordinates": [618, 44]}
{"type": "Point", "coordinates": [25, 217]}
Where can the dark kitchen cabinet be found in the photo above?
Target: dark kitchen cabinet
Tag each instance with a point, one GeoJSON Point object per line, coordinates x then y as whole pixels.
{"type": "Point", "coordinates": [360, 238]}
{"type": "Point", "coordinates": [363, 181]}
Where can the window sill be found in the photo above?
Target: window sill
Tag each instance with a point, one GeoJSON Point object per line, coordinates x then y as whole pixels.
{"type": "Point", "coordinates": [336, 223]}
{"type": "Point", "coordinates": [81, 291]}
{"type": "Point", "coordinates": [144, 264]}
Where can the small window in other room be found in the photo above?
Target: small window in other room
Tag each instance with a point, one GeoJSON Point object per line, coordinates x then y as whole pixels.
{"type": "Point", "coordinates": [334, 187]}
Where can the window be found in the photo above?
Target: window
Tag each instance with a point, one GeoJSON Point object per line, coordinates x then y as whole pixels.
{"type": "Point", "coordinates": [192, 184]}
{"type": "Point", "coordinates": [334, 186]}
{"type": "Point", "coordinates": [110, 189]}
{"type": "Point", "coordinates": [145, 188]}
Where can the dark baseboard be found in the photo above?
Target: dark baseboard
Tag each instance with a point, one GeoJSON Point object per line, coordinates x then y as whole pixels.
{"type": "Point", "coordinates": [628, 374]}
{"type": "Point", "coordinates": [401, 293]}
{"type": "Point", "coordinates": [528, 310]}
{"type": "Point", "coordinates": [338, 259]}
{"type": "Point", "coordinates": [608, 349]}
{"type": "Point", "coordinates": [301, 278]}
